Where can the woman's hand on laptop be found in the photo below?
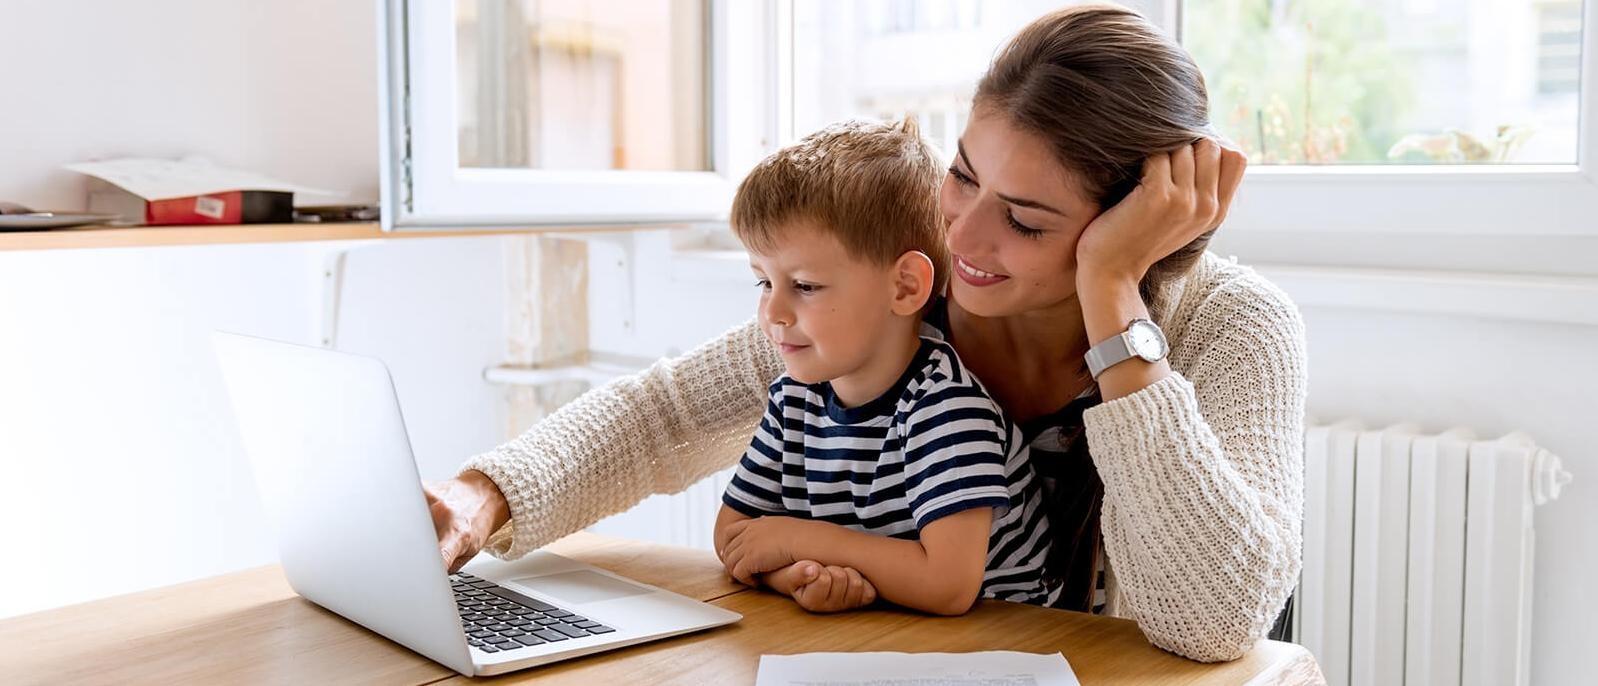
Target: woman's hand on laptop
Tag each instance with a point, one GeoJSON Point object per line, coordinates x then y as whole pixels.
{"type": "Point", "coordinates": [466, 511]}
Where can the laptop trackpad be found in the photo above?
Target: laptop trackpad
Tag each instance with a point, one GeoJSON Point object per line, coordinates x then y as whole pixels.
{"type": "Point", "coordinates": [581, 586]}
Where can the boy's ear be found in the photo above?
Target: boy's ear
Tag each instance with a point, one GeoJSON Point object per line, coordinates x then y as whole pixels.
{"type": "Point", "coordinates": [912, 282]}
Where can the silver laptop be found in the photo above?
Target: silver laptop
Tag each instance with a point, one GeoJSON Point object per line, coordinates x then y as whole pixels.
{"type": "Point", "coordinates": [334, 468]}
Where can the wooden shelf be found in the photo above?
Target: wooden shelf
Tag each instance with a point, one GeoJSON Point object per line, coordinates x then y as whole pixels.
{"type": "Point", "coordinates": [147, 236]}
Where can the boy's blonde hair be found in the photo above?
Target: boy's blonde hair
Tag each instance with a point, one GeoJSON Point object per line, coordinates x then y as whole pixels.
{"type": "Point", "coordinates": [872, 184]}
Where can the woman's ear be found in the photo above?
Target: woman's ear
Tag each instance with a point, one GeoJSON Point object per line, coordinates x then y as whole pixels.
{"type": "Point", "coordinates": [912, 282]}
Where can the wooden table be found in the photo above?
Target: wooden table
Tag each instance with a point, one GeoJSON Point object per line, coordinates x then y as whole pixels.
{"type": "Point", "coordinates": [249, 627]}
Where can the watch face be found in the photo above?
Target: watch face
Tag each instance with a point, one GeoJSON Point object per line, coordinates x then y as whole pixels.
{"type": "Point", "coordinates": [1147, 340]}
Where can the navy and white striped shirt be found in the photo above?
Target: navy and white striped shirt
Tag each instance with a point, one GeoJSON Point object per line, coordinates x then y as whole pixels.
{"type": "Point", "coordinates": [933, 445]}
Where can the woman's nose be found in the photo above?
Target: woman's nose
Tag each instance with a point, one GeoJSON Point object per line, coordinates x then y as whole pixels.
{"type": "Point", "coordinates": [963, 235]}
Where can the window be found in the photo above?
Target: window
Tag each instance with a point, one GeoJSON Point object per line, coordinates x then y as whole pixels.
{"type": "Point", "coordinates": [1381, 116]}
{"type": "Point", "coordinates": [892, 58]}
{"type": "Point", "coordinates": [581, 85]}
{"type": "Point", "coordinates": [1559, 47]}
{"type": "Point", "coordinates": [1361, 117]}
{"type": "Point", "coordinates": [572, 112]}
{"type": "Point", "coordinates": [1402, 117]}
{"type": "Point", "coordinates": [1381, 82]}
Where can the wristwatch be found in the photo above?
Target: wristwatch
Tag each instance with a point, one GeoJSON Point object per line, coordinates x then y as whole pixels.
{"type": "Point", "coordinates": [1142, 338]}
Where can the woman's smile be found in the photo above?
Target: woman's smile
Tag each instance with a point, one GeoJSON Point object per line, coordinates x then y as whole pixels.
{"type": "Point", "coordinates": [975, 276]}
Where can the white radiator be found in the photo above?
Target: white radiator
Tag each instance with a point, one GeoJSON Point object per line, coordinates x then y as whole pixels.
{"type": "Point", "coordinates": [1418, 553]}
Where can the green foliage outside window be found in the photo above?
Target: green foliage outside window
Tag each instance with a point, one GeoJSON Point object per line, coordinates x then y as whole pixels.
{"type": "Point", "coordinates": [1300, 81]}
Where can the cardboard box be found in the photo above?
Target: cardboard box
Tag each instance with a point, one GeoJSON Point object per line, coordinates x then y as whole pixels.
{"type": "Point", "coordinates": [166, 192]}
{"type": "Point", "coordinates": [230, 207]}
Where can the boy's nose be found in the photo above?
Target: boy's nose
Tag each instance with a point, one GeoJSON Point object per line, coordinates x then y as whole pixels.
{"type": "Point", "coordinates": [779, 318]}
{"type": "Point", "coordinates": [778, 312]}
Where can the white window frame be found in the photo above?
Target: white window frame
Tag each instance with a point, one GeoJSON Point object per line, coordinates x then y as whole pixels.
{"type": "Point", "coordinates": [750, 112]}
{"type": "Point", "coordinates": [424, 187]}
{"type": "Point", "coordinates": [1516, 203]}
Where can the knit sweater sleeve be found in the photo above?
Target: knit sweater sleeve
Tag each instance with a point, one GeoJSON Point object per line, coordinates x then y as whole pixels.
{"type": "Point", "coordinates": [657, 431]}
{"type": "Point", "coordinates": [1203, 475]}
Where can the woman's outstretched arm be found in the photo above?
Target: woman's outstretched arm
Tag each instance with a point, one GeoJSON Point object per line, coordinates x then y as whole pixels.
{"type": "Point", "coordinates": [657, 431]}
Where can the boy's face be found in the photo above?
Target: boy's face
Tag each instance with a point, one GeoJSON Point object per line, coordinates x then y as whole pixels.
{"type": "Point", "coordinates": [826, 311]}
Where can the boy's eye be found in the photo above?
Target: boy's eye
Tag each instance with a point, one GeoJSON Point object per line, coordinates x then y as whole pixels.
{"type": "Point", "coordinates": [806, 288]}
{"type": "Point", "coordinates": [763, 284]}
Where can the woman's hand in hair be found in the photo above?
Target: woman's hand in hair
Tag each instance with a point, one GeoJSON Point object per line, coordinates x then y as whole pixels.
{"type": "Point", "coordinates": [1182, 195]}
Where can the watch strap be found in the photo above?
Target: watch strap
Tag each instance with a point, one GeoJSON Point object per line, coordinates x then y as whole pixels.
{"type": "Point", "coordinates": [1108, 353]}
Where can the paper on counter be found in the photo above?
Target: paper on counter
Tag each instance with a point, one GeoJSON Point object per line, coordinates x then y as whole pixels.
{"type": "Point", "coordinates": [989, 668]}
{"type": "Point", "coordinates": [157, 179]}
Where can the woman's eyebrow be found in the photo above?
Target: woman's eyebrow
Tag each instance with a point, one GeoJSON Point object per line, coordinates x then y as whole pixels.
{"type": "Point", "coordinates": [1018, 202]}
{"type": "Point", "coordinates": [1009, 199]}
{"type": "Point", "coordinates": [1023, 202]}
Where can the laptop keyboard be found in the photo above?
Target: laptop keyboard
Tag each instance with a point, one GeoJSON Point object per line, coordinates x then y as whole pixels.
{"type": "Point", "coordinates": [498, 619]}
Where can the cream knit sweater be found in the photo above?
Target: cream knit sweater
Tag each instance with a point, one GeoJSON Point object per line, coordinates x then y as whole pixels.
{"type": "Point", "coordinates": [1202, 471]}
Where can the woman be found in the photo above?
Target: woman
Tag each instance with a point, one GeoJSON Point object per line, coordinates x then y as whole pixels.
{"type": "Point", "coordinates": [1077, 203]}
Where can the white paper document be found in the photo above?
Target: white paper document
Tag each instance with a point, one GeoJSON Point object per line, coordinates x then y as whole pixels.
{"type": "Point", "coordinates": [155, 179]}
{"type": "Point", "coordinates": [989, 668]}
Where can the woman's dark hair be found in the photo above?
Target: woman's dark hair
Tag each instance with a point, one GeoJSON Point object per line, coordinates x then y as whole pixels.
{"type": "Point", "coordinates": [1107, 89]}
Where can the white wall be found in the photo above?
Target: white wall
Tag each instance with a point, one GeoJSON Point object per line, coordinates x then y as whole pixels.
{"type": "Point", "coordinates": [286, 88]}
{"type": "Point", "coordinates": [117, 447]}
{"type": "Point", "coordinates": [1494, 376]}
{"type": "Point", "coordinates": [119, 459]}
{"type": "Point", "coordinates": [646, 300]}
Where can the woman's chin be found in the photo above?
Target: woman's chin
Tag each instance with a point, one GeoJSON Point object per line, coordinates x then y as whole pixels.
{"type": "Point", "coordinates": [1004, 300]}
{"type": "Point", "coordinates": [982, 302]}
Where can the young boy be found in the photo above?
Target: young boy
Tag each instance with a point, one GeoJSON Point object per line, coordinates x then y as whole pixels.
{"type": "Point", "coordinates": [880, 458]}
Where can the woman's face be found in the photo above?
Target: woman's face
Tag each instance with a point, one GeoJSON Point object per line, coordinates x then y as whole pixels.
{"type": "Point", "coordinates": [1013, 215]}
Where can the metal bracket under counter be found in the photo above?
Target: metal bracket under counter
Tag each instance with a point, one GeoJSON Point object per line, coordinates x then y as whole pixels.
{"type": "Point", "coordinates": [600, 369]}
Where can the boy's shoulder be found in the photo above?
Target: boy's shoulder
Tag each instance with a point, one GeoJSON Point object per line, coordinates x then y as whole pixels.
{"type": "Point", "coordinates": [947, 406]}
{"type": "Point", "coordinates": [939, 361]}
{"type": "Point", "coordinates": [782, 385]}
{"type": "Point", "coordinates": [942, 376]}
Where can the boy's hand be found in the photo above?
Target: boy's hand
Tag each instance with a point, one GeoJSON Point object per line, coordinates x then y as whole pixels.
{"type": "Point", "coordinates": [759, 545]}
{"type": "Point", "coordinates": [822, 588]}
